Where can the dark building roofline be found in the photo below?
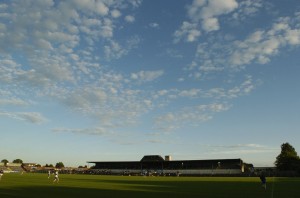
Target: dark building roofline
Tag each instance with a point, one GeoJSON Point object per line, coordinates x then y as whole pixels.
{"type": "Point", "coordinates": [152, 158]}
{"type": "Point", "coordinates": [158, 158]}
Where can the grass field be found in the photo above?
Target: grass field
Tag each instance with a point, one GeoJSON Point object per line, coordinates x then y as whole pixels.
{"type": "Point", "coordinates": [38, 185]}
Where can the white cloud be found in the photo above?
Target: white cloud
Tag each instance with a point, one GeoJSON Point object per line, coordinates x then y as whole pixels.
{"type": "Point", "coordinates": [88, 131]}
{"type": "Point", "coordinates": [218, 107]}
{"type": "Point", "coordinates": [190, 93]}
{"type": "Point", "coordinates": [214, 107]}
{"type": "Point", "coordinates": [65, 56]}
{"type": "Point", "coordinates": [194, 8]}
{"type": "Point", "coordinates": [239, 149]}
{"type": "Point", "coordinates": [13, 101]}
{"type": "Point", "coordinates": [221, 55]}
{"type": "Point", "coordinates": [152, 25]}
{"type": "Point", "coordinates": [217, 8]}
{"type": "Point", "coordinates": [8, 67]}
{"type": "Point", "coordinates": [43, 44]}
{"type": "Point", "coordinates": [114, 51]}
{"type": "Point", "coordinates": [193, 115]}
{"type": "Point", "coordinates": [240, 90]}
{"type": "Point", "coordinates": [106, 30]}
{"type": "Point", "coordinates": [207, 11]}
{"type": "Point", "coordinates": [188, 31]}
{"type": "Point", "coordinates": [146, 76]}
{"type": "Point", "coordinates": [180, 79]}
{"type": "Point", "coordinates": [86, 99]}
{"type": "Point", "coordinates": [148, 103]}
{"type": "Point", "coordinates": [32, 117]}
{"type": "Point", "coordinates": [260, 46]}
{"type": "Point", "coordinates": [210, 24]}
{"type": "Point", "coordinates": [209, 67]}
{"type": "Point", "coordinates": [60, 51]}
{"type": "Point", "coordinates": [293, 36]}
{"type": "Point", "coordinates": [135, 3]}
{"type": "Point", "coordinates": [107, 102]}
{"type": "Point", "coordinates": [174, 53]}
{"type": "Point", "coordinates": [115, 13]}
{"type": "Point", "coordinates": [101, 8]}
{"type": "Point", "coordinates": [2, 27]}
{"type": "Point", "coordinates": [129, 18]}
{"type": "Point", "coordinates": [97, 7]}
{"type": "Point", "coordinates": [248, 8]}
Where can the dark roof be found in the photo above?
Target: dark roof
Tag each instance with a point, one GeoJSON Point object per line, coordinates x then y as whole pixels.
{"type": "Point", "coordinates": [158, 158]}
{"type": "Point", "coordinates": [152, 158]}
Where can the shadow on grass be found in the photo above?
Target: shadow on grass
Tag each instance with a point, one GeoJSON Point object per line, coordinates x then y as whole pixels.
{"type": "Point", "coordinates": [147, 188]}
{"type": "Point", "coordinates": [74, 192]}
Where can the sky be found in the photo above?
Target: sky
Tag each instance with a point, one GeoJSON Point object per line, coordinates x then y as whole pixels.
{"type": "Point", "coordinates": [114, 80]}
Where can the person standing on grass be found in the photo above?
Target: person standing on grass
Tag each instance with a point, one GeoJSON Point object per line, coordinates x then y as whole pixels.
{"type": "Point", "coordinates": [49, 174]}
{"type": "Point", "coordinates": [263, 180]}
{"type": "Point", "coordinates": [56, 179]}
{"type": "Point", "coordinates": [1, 174]}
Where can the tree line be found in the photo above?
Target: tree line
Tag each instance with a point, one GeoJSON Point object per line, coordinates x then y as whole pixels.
{"type": "Point", "coordinates": [19, 161]}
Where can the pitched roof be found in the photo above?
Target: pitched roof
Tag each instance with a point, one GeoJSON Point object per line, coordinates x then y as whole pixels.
{"type": "Point", "coordinates": [152, 158]}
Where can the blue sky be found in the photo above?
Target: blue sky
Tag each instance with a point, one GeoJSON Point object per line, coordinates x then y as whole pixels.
{"type": "Point", "coordinates": [92, 80]}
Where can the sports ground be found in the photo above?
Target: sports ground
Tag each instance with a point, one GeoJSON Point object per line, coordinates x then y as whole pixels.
{"type": "Point", "coordinates": [38, 185]}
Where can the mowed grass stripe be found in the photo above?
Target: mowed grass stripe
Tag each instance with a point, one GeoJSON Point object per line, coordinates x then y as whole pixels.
{"type": "Point", "coordinates": [38, 185]}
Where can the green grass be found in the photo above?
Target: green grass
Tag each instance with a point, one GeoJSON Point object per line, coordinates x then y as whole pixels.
{"type": "Point", "coordinates": [37, 185]}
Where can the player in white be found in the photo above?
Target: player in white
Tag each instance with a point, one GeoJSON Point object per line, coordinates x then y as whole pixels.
{"type": "Point", "coordinates": [1, 173]}
{"type": "Point", "coordinates": [56, 179]}
{"type": "Point", "coordinates": [49, 174]}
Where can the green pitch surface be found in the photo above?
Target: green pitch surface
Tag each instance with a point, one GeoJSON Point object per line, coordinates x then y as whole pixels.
{"type": "Point", "coordinates": [38, 185]}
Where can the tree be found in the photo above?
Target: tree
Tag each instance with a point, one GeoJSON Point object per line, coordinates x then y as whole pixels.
{"type": "Point", "coordinates": [288, 159]}
{"type": "Point", "coordinates": [59, 165]}
{"type": "Point", "coordinates": [19, 161]}
{"type": "Point", "coordinates": [5, 161]}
